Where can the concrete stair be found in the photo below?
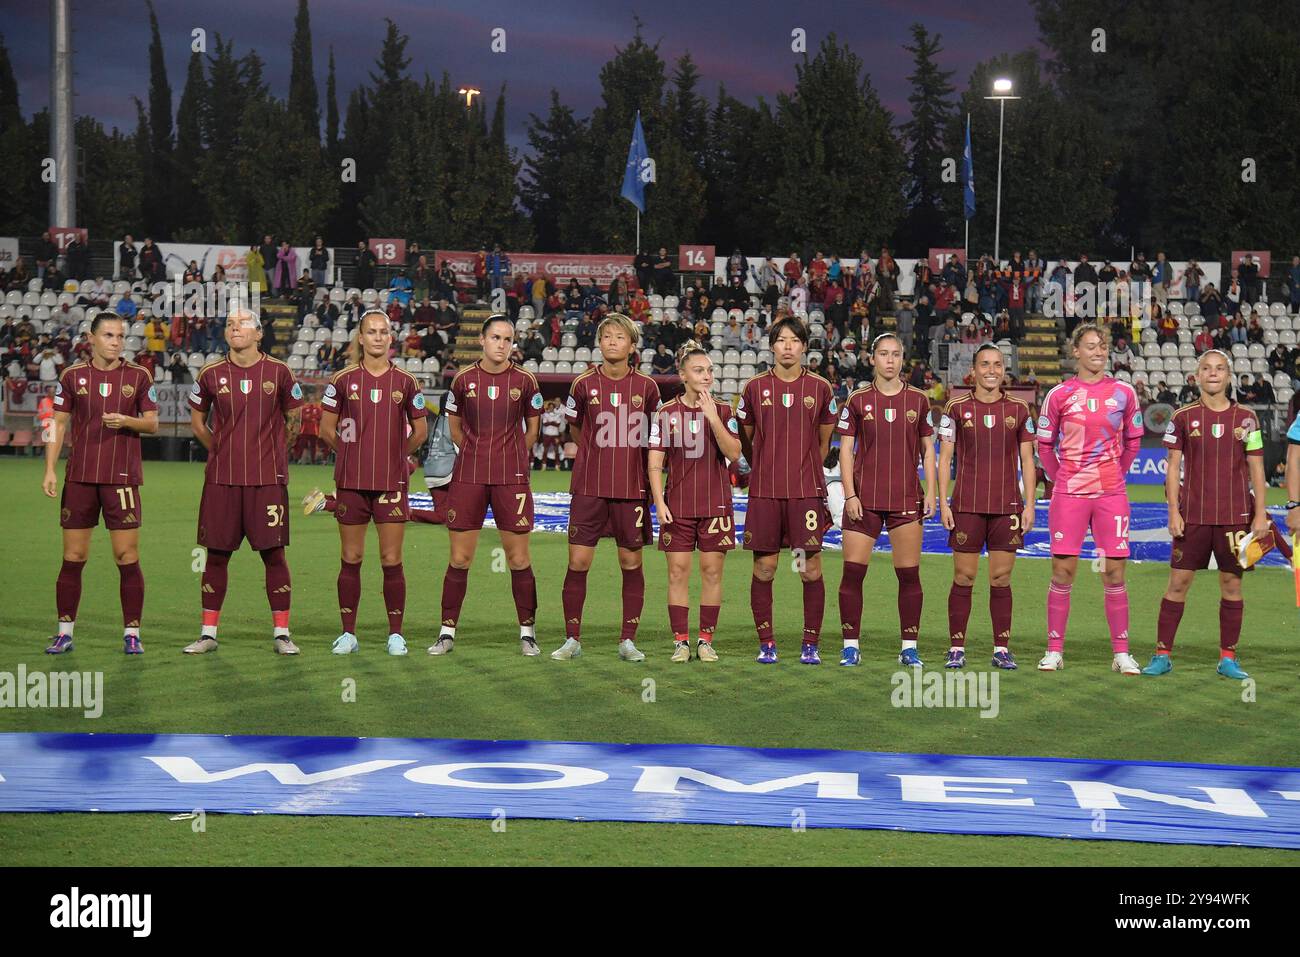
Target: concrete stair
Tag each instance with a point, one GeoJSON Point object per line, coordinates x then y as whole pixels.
{"type": "Point", "coordinates": [284, 319]}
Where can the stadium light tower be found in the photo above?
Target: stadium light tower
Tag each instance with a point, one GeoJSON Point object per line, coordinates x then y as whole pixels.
{"type": "Point", "coordinates": [469, 93]}
{"type": "Point", "coordinates": [1001, 93]}
{"type": "Point", "coordinates": [63, 191]}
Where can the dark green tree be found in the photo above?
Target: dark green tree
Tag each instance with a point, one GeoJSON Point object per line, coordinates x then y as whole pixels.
{"type": "Point", "coordinates": [303, 101]}
{"type": "Point", "coordinates": [556, 177]}
{"type": "Point", "coordinates": [924, 224]}
{"type": "Point", "coordinates": [331, 113]}
{"type": "Point", "coordinates": [189, 206]}
{"type": "Point", "coordinates": [157, 201]}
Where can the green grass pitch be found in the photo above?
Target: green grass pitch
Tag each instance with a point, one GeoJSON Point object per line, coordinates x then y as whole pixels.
{"type": "Point", "coordinates": [485, 689]}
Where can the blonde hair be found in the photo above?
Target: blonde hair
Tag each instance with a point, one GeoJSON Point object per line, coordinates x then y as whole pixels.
{"type": "Point", "coordinates": [689, 348]}
{"type": "Point", "coordinates": [622, 322]}
{"type": "Point", "coordinates": [354, 347]}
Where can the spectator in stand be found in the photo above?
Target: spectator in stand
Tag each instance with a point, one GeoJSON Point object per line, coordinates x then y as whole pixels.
{"type": "Point", "coordinates": [126, 256]}
{"type": "Point", "coordinates": [1248, 273]}
{"type": "Point", "coordinates": [327, 313]}
{"type": "Point", "coordinates": [327, 354]}
{"type": "Point", "coordinates": [1164, 394]}
{"type": "Point", "coordinates": [270, 250]}
{"type": "Point", "coordinates": [1015, 293]}
{"type": "Point", "coordinates": [192, 273]}
{"type": "Point", "coordinates": [1247, 391]}
{"type": "Point", "coordinates": [617, 295]}
{"type": "Point", "coordinates": [1140, 388]}
{"type": "Point", "coordinates": [1107, 298]}
{"type": "Point", "coordinates": [99, 294]}
{"type": "Point", "coordinates": [837, 313]}
{"type": "Point", "coordinates": [412, 347]}
{"type": "Point", "coordinates": [1232, 296]}
{"type": "Point", "coordinates": [665, 281]}
{"type": "Point", "coordinates": [639, 307]}
{"type": "Point", "coordinates": [1203, 342]}
{"type": "Point", "coordinates": [421, 279]}
{"type": "Point", "coordinates": [155, 338]}
{"type": "Point", "coordinates": [1211, 306]}
{"type": "Point", "coordinates": [152, 269]}
{"type": "Point", "coordinates": [1166, 325]}
{"type": "Point", "coordinates": [47, 255]}
{"type": "Point", "coordinates": [1222, 340]}
{"type": "Point", "coordinates": [1293, 283]}
{"type": "Point", "coordinates": [425, 315]}
{"type": "Point", "coordinates": [1254, 331]}
{"type": "Point", "coordinates": [1191, 277]}
{"type": "Point", "coordinates": [737, 266]}
{"type": "Point", "coordinates": [319, 262]}
{"type": "Point", "coordinates": [286, 269]}
{"type": "Point", "coordinates": [533, 347]}
{"type": "Point", "coordinates": [1035, 273]}
{"type": "Point", "coordinates": [1264, 394]}
{"type": "Point", "coordinates": [400, 290]}
{"type": "Point", "coordinates": [1121, 356]}
{"type": "Point", "coordinates": [127, 308]}
{"type": "Point", "coordinates": [480, 267]}
{"type": "Point", "coordinates": [731, 333]}
{"type": "Point", "coordinates": [365, 266]}
{"type": "Point", "coordinates": [304, 294]}
{"type": "Point", "coordinates": [818, 268]}
{"type": "Point", "coordinates": [50, 364]}
{"type": "Point", "coordinates": [444, 283]}
{"type": "Point", "coordinates": [587, 331]}
{"type": "Point", "coordinates": [886, 279]}
{"type": "Point", "coordinates": [1162, 277]}
{"type": "Point", "coordinates": [793, 272]}
{"type": "Point", "coordinates": [179, 369]}
{"type": "Point", "coordinates": [663, 362]}
{"type": "Point", "coordinates": [1139, 271]}
{"type": "Point", "coordinates": [498, 267]}
{"type": "Point", "coordinates": [76, 256]}
{"type": "Point", "coordinates": [537, 293]}
{"type": "Point", "coordinates": [1279, 360]}
{"type": "Point", "coordinates": [644, 265]}
{"type": "Point", "coordinates": [431, 341]}
{"type": "Point", "coordinates": [948, 332]}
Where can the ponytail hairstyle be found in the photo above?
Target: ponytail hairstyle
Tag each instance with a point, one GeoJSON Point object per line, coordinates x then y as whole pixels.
{"type": "Point", "coordinates": [690, 347]}
{"type": "Point", "coordinates": [354, 347]}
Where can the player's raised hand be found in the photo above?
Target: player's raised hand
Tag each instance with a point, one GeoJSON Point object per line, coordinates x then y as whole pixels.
{"type": "Point", "coordinates": [708, 407]}
{"type": "Point", "coordinates": [945, 516]}
{"type": "Point", "coordinates": [50, 484]}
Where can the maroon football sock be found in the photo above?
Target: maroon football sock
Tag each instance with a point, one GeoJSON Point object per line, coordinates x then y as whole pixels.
{"type": "Point", "coordinates": [814, 609]}
{"type": "Point", "coordinates": [1000, 612]}
{"type": "Point", "coordinates": [573, 598]}
{"type": "Point", "coordinates": [395, 596]}
{"type": "Point", "coordinates": [67, 590]}
{"type": "Point", "coordinates": [349, 594]}
{"type": "Point", "coordinates": [958, 614]}
{"type": "Point", "coordinates": [708, 621]}
{"type": "Point", "coordinates": [331, 503]}
{"type": "Point", "coordinates": [1171, 613]}
{"type": "Point", "coordinates": [909, 602]}
{"type": "Point", "coordinates": [453, 594]}
{"type": "Point", "coordinates": [851, 599]}
{"type": "Point", "coordinates": [279, 587]}
{"type": "Point", "coordinates": [679, 619]}
{"type": "Point", "coordinates": [523, 585]}
{"type": "Point", "coordinates": [131, 590]}
{"type": "Point", "coordinates": [1229, 625]}
{"type": "Point", "coordinates": [215, 576]}
{"type": "Point", "coordinates": [633, 602]}
{"type": "Point", "coordinates": [760, 600]}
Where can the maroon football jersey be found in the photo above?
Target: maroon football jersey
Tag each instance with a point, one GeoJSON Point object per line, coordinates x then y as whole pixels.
{"type": "Point", "coordinates": [375, 413]}
{"type": "Point", "coordinates": [698, 483]}
{"type": "Point", "coordinates": [787, 419]}
{"type": "Point", "coordinates": [492, 407]}
{"type": "Point", "coordinates": [615, 417]}
{"type": "Point", "coordinates": [889, 435]}
{"type": "Point", "coordinates": [100, 455]}
{"type": "Point", "coordinates": [1216, 477]}
{"type": "Point", "coordinates": [248, 409]}
{"type": "Point", "coordinates": [987, 436]}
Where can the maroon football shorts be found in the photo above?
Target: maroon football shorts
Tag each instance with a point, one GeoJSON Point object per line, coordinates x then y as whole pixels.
{"type": "Point", "coordinates": [714, 533]}
{"type": "Point", "coordinates": [592, 518]}
{"type": "Point", "coordinates": [467, 505]}
{"type": "Point", "coordinates": [357, 507]}
{"type": "Point", "coordinates": [772, 524]}
{"type": "Point", "coordinates": [82, 503]}
{"type": "Point", "coordinates": [230, 513]}
{"type": "Point", "coordinates": [1192, 551]}
{"type": "Point", "coordinates": [971, 531]}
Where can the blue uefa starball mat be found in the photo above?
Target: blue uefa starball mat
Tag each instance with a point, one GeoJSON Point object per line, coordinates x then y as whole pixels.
{"type": "Point", "coordinates": [700, 784]}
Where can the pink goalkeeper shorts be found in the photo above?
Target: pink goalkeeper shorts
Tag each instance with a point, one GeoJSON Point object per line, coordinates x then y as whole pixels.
{"type": "Point", "coordinates": [1069, 517]}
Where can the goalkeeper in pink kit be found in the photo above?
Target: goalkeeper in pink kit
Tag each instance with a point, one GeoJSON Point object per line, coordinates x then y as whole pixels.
{"type": "Point", "coordinates": [1089, 432]}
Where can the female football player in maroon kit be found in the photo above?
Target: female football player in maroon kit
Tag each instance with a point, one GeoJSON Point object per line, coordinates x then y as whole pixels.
{"type": "Point", "coordinates": [251, 398]}
{"type": "Point", "coordinates": [787, 415]}
{"type": "Point", "coordinates": [990, 432]}
{"type": "Point", "coordinates": [373, 417]}
{"type": "Point", "coordinates": [884, 432]}
{"type": "Point", "coordinates": [695, 441]}
{"type": "Point", "coordinates": [609, 409]}
{"type": "Point", "coordinates": [110, 403]}
{"type": "Point", "coordinates": [492, 409]}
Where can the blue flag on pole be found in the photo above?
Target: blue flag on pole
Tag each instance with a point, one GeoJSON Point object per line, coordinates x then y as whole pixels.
{"type": "Point", "coordinates": [968, 174]}
{"type": "Point", "coordinates": [633, 184]}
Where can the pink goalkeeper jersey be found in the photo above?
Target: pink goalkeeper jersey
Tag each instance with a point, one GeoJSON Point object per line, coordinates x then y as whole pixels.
{"type": "Point", "coordinates": [1088, 435]}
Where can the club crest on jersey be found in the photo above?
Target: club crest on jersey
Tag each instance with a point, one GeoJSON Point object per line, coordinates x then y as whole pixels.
{"type": "Point", "coordinates": [787, 399]}
{"type": "Point", "coordinates": [376, 395]}
{"type": "Point", "coordinates": [1092, 405]}
{"type": "Point", "coordinates": [516, 394]}
{"type": "Point", "coordinates": [666, 537]}
{"type": "Point", "coordinates": [396, 396]}
{"type": "Point", "coordinates": [106, 389]}
{"type": "Point", "coordinates": [988, 421]}
{"type": "Point", "coordinates": [1216, 430]}
{"type": "Point", "coordinates": [911, 415]}
{"type": "Point", "coordinates": [128, 391]}
{"type": "Point", "coordinates": [1239, 434]}
{"type": "Point", "coordinates": [246, 386]}
{"type": "Point", "coordinates": [891, 415]}
{"type": "Point", "coordinates": [808, 402]}
{"type": "Point", "coordinates": [636, 401]}
{"type": "Point", "coordinates": [268, 386]}
{"type": "Point", "coordinates": [961, 538]}
{"type": "Point", "coordinates": [493, 392]}
{"type": "Point", "coordinates": [1010, 422]}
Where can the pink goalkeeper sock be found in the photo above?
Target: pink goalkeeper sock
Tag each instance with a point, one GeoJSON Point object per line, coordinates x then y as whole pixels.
{"type": "Point", "coordinates": [1058, 615]}
{"type": "Point", "coordinates": [1117, 617]}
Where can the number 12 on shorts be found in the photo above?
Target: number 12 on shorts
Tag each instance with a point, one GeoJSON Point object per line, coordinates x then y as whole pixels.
{"type": "Point", "coordinates": [1121, 527]}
